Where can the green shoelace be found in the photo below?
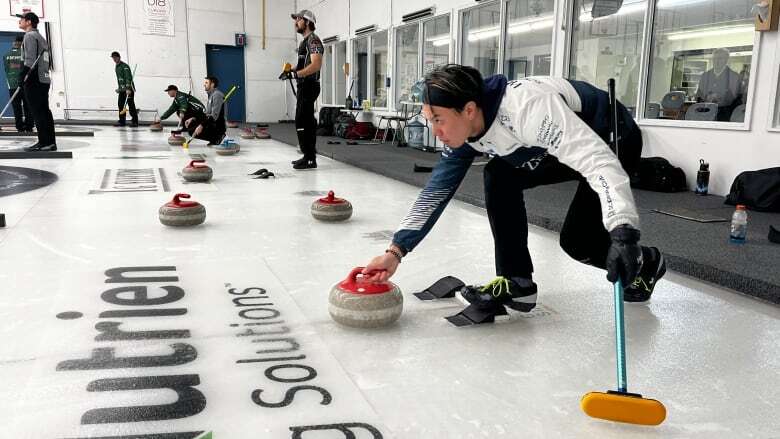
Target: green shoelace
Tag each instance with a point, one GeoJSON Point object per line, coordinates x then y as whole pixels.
{"type": "Point", "coordinates": [499, 285]}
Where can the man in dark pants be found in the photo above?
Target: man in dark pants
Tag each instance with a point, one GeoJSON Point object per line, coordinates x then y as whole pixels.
{"type": "Point", "coordinates": [539, 131]}
{"type": "Point", "coordinates": [184, 105]}
{"type": "Point", "coordinates": [35, 51]}
{"type": "Point", "coordinates": [307, 75]}
{"type": "Point", "coordinates": [14, 62]}
{"type": "Point", "coordinates": [125, 90]}
{"type": "Point", "coordinates": [210, 125]}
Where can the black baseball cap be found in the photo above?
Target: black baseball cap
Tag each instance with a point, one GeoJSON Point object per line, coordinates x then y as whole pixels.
{"type": "Point", "coordinates": [31, 16]}
{"type": "Point", "coordinates": [115, 54]}
{"type": "Point", "coordinates": [172, 87]}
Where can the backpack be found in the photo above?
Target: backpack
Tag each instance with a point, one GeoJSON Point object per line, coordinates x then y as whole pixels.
{"type": "Point", "coordinates": [657, 174]}
{"type": "Point", "coordinates": [360, 131]}
{"type": "Point", "coordinates": [327, 119]}
{"type": "Point", "coordinates": [758, 190]}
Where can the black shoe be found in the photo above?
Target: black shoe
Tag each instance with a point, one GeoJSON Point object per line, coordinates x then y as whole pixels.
{"type": "Point", "coordinates": [39, 148]}
{"type": "Point", "coordinates": [120, 124]}
{"type": "Point", "coordinates": [300, 160]}
{"type": "Point", "coordinates": [653, 269]}
{"type": "Point", "coordinates": [305, 164]}
{"type": "Point", "coordinates": [134, 125]}
{"type": "Point", "coordinates": [501, 291]}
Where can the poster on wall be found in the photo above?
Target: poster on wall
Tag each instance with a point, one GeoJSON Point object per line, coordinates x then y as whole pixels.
{"type": "Point", "coordinates": [158, 17]}
{"type": "Point", "coordinates": [24, 6]}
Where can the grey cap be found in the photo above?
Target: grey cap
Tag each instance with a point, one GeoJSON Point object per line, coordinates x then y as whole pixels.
{"type": "Point", "coordinates": [306, 15]}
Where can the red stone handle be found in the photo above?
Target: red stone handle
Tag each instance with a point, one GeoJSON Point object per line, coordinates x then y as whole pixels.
{"type": "Point", "coordinates": [331, 196]}
{"type": "Point", "coordinates": [193, 162]}
{"type": "Point", "coordinates": [177, 198]}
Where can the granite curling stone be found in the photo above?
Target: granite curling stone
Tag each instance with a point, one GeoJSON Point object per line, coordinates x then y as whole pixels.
{"type": "Point", "coordinates": [175, 138]}
{"type": "Point", "coordinates": [178, 213]}
{"type": "Point", "coordinates": [261, 132]}
{"type": "Point", "coordinates": [156, 127]}
{"type": "Point", "coordinates": [197, 171]}
{"type": "Point", "coordinates": [331, 209]}
{"type": "Point", "coordinates": [228, 147]}
{"type": "Point", "coordinates": [247, 133]}
{"type": "Point", "coordinates": [360, 304]}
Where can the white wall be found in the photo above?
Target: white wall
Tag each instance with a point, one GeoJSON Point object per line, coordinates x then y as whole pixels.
{"type": "Point", "coordinates": [85, 32]}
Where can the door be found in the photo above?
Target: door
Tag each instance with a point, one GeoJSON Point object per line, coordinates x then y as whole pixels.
{"type": "Point", "coordinates": [6, 42]}
{"type": "Point", "coordinates": [227, 64]}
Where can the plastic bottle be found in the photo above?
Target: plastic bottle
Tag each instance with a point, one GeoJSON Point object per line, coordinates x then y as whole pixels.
{"type": "Point", "coordinates": [703, 178]}
{"type": "Point", "coordinates": [739, 225]}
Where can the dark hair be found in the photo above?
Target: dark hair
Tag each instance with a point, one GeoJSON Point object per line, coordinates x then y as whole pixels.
{"type": "Point", "coordinates": [453, 86]}
{"type": "Point", "coordinates": [19, 38]}
{"type": "Point", "coordinates": [213, 80]}
{"type": "Point", "coordinates": [311, 25]}
{"type": "Point", "coordinates": [115, 55]}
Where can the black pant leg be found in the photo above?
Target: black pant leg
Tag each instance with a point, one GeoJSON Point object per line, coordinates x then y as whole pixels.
{"type": "Point", "coordinates": [133, 110]}
{"type": "Point", "coordinates": [505, 204]}
{"type": "Point", "coordinates": [29, 121]}
{"type": "Point", "coordinates": [305, 122]}
{"type": "Point", "coordinates": [122, 96]}
{"type": "Point", "coordinates": [583, 236]}
{"type": "Point", "coordinates": [38, 96]}
{"type": "Point", "coordinates": [17, 106]}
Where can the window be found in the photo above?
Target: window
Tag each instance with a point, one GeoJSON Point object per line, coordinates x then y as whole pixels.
{"type": "Point", "coordinates": [529, 38]}
{"type": "Point", "coordinates": [609, 47]}
{"type": "Point", "coordinates": [700, 60]}
{"type": "Point", "coordinates": [360, 69]}
{"type": "Point", "coordinates": [436, 50]}
{"type": "Point", "coordinates": [480, 36]}
{"type": "Point", "coordinates": [407, 61]}
{"type": "Point", "coordinates": [327, 75]}
{"type": "Point", "coordinates": [341, 77]}
{"type": "Point", "coordinates": [379, 69]}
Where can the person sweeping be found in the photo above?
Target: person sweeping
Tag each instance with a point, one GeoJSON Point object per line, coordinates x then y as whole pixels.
{"type": "Point", "coordinates": [538, 131]}
{"type": "Point", "coordinates": [125, 91]}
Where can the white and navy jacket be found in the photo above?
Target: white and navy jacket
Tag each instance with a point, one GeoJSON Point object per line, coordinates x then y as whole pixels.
{"type": "Point", "coordinates": [525, 121]}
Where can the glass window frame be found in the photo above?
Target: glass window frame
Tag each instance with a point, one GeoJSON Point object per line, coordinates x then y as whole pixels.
{"type": "Point", "coordinates": [502, 27]}
{"type": "Point", "coordinates": [369, 37]}
{"type": "Point", "coordinates": [335, 69]}
{"type": "Point", "coordinates": [647, 45]}
{"type": "Point", "coordinates": [420, 50]}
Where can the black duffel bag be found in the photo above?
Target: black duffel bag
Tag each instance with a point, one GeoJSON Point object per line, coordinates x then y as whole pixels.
{"type": "Point", "coordinates": [758, 190]}
{"type": "Point", "coordinates": [657, 174]}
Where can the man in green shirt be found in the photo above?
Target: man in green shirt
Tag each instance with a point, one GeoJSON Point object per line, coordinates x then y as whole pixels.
{"type": "Point", "coordinates": [184, 105]}
{"type": "Point", "coordinates": [125, 90]}
{"type": "Point", "coordinates": [14, 62]}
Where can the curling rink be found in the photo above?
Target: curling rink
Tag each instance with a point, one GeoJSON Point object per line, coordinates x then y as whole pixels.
{"type": "Point", "coordinates": [115, 326]}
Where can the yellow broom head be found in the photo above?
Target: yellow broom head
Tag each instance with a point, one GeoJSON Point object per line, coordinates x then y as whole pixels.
{"type": "Point", "coordinates": [623, 407]}
{"type": "Point", "coordinates": [123, 111]}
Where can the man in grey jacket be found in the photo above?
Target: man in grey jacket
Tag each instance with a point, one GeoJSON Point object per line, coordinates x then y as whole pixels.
{"type": "Point", "coordinates": [211, 125]}
{"type": "Point", "coordinates": [37, 81]}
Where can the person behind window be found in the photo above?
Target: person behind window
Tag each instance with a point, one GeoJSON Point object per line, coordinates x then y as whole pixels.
{"type": "Point", "coordinates": [14, 61]}
{"type": "Point", "coordinates": [719, 85]}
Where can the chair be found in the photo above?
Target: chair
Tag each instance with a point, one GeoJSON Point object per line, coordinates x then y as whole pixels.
{"type": "Point", "coordinates": [672, 104]}
{"type": "Point", "coordinates": [400, 121]}
{"type": "Point", "coordinates": [705, 111]}
{"type": "Point", "coordinates": [652, 111]}
{"type": "Point", "coordinates": [738, 115]}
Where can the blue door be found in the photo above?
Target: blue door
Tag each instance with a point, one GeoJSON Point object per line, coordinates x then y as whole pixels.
{"type": "Point", "coordinates": [227, 64]}
{"type": "Point", "coordinates": [6, 41]}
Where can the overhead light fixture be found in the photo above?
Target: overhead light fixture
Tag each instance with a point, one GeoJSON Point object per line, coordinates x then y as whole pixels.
{"type": "Point", "coordinates": [439, 40]}
{"type": "Point", "coordinates": [627, 9]}
{"type": "Point", "coordinates": [515, 27]}
{"type": "Point", "coordinates": [675, 3]}
{"type": "Point", "coordinates": [711, 32]}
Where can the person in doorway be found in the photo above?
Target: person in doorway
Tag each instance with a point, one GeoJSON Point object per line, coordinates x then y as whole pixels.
{"type": "Point", "coordinates": [211, 125]}
{"type": "Point", "coordinates": [14, 62]}
{"type": "Point", "coordinates": [307, 75]}
{"type": "Point", "coordinates": [539, 131]}
{"type": "Point", "coordinates": [184, 105]}
{"type": "Point", "coordinates": [125, 90]}
{"type": "Point", "coordinates": [35, 51]}
{"type": "Point", "coordinates": [720, 85]}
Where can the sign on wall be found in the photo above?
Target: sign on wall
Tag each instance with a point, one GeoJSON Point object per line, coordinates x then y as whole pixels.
{"type": "Point", "coordinates": [24, 6]}
{"type": "Point", "coordinates": [158, 17]}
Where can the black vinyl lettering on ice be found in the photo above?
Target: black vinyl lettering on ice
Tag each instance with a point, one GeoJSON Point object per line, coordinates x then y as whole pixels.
{"type": "Point", "coordinates": [154, 312]}
{"type": "Point", "coordinates": [103, 358]}
{"type": "Point", "coordinates": [273, 313]}
{"type": "Point", "coordinates": [268, 360]}
{"type": "Point", "coordinates": [343, 428]}
{"type": "Point", "coordinates": [239, 301]}
{"type": "Point", "coordinates": [245, 291]}
{"type": "Point", "coordinates": [311, 373]}
{"type": "Point", "coordinates": [140, 296]}
{"type": "Point", "coordinates": [294, 345]}
{"type": "Point", "coordinates": [117, 275]}
{"type": "Point", "coordinates": [110, 332]}
{"type": "Point", "coordinates": [289, 395]}
{"type": "Point", "coordinates": [190, 401]}
{"type": "Point", "coordinates": [253, 333]}
{"type": "Point", "coordinates": [185, 435]}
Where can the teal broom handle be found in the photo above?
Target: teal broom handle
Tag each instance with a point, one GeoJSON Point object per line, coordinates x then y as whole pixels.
{"type": "Point", "coordinates": [620, 338]}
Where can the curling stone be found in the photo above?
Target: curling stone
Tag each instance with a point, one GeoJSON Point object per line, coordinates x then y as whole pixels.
{"type": "Point", "coordinates": [197, 171]}
{"type": "Point", "coordinates": [227, 147]}
{"type": "Point", "coordinates": [247, 133]}
{"type": "Point", "coordinates": [232, 124]}
{"type": "Point", "coordinates": [156, 127]}
{"type": "Point", "coordinates": [354, 302]}
{"type": "Point", "coordinates": [331, 209]}
{"type": "Point", "coordinates": [261, 132]}
{"type": "Point", "coordinates": [178, 213]}
{"type": "Point", "coordinates": [175, 139]}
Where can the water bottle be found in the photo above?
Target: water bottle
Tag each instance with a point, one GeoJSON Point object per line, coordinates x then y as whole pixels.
{"type": "Point", "coordinates": [703, 178]}
{"type": "Point", "coordinates": [739, 225]}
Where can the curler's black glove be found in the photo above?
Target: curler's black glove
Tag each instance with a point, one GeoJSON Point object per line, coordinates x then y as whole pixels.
{"type": "Point", "coordinates": [624, 259]}
{"type": "Point", "coordinates": [288, 75]}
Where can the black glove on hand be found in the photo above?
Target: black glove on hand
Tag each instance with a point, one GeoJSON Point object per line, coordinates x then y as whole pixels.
{"type": "Point", "coordinates": [624, 259]}
{"type": "Point", "coordinates": [288, 75]}
{"type": "Point", "coordinates": [23, 73]}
